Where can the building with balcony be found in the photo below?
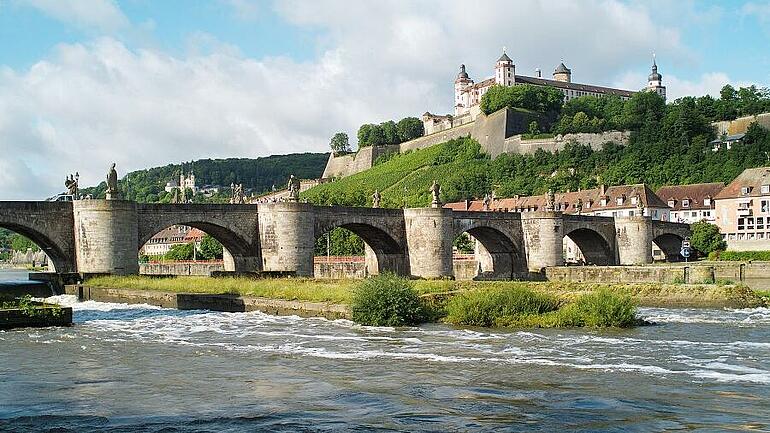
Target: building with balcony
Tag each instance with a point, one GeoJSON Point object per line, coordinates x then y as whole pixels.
{"type": "Point", "coordinates": [742, 211]}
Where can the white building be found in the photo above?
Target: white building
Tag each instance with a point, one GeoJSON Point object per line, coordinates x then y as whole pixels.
{"type": "Point", "coordinates": [468, 93]}
{"type": "Point", "coordinates": [186, 182]}
{"type": "Point", "coordinates": [691, 203]}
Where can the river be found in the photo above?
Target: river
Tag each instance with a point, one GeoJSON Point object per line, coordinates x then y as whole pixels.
{"type": "Point", "coordinates": [141, 368]}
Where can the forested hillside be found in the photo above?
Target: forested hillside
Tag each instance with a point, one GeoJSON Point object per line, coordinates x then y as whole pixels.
{"type": "Point", "coordinates": [669, 145]}
{"type": "Point", "coordinates": [257, 175]}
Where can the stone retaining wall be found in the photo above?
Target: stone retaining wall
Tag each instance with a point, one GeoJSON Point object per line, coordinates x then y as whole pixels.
{"type": "Point", "coordinates": [199, 269]}
{"type": "Point", "coordinates": [213, 302]}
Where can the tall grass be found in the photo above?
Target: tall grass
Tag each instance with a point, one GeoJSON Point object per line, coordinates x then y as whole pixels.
{"type": "Point", "coordinates": [490, 307]}
{"type": "Point", "coordinates": [520, 307]}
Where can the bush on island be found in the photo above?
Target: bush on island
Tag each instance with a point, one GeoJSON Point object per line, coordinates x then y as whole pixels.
{"type": "Point", "coordinates": [386, 300]}
{"type": "Point", "coordinates": [600, 309]}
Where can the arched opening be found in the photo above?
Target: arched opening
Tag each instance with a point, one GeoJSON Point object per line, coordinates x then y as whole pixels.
{"type": "Point", "coordinates": [669, 245]}
{"type": "Point", "coordinates": [587, 247]}
{"type": "Point", "coordinates": [25, 247]}
{"type": "Point", "coordinates": [356, 250]}
{"type": "Point", "coordinates": [192, 248]}
{"type": "Point", "coordinates": [485, 253]}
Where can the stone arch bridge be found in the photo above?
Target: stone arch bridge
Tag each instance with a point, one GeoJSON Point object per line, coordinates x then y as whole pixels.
{"type": "Point", "coordinates": [104, 236]}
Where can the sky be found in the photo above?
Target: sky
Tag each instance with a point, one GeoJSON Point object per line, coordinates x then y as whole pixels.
{"type": "Point", "coordinates": [143, 83]}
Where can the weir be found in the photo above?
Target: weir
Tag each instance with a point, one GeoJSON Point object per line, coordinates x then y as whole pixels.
{"type": "Point", "coordinates": [104, 236]}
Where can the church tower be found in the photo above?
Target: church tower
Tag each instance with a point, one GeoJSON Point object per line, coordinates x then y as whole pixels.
{"type": "Point", "coordinates": [462, 98]}
{"type": "Point", "coordinates": [505, 71]}
{"type": "Point", "coordinates": [655, 80]}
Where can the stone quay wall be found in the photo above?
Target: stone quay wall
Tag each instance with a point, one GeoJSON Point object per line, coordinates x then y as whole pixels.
{"type": "Point", "coordinates": [741, 124]}
{"type": "Point", "coordinates": [196, 269]}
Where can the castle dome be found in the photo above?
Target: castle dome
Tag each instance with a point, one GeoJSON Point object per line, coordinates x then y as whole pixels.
{"type": "Point", "coordinates": [504, 58]}
{"type": "Point", "coordinates": [655, 76]}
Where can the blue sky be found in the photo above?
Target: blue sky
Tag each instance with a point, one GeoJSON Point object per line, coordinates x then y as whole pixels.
{"type": "Point", "coordinates": [146, 82]}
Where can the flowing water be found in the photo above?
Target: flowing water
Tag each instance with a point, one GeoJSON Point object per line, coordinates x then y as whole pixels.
{"type": "Point", "coordinates": [130, 368]}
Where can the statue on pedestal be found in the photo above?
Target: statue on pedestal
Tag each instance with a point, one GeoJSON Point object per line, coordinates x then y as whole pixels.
{"type": "Point", "coordinates": [579, 206]}
{"type": "Point", "coordinates": [486, 202]}
{"type": "Point", "coordinates": [293, 187]}
{"type": "Point", "coordinates": [376, 198]}
{"type": "Point", "coordinates": [640, 205]}
{"type": "Point", "coordinates": [112, 184]}
{"type": "Point", "coordinates": [435, 191]}
{"type": "Point", "coordinates": [236, 194]}
{"type": "Point", "coordinates": [550, 201]}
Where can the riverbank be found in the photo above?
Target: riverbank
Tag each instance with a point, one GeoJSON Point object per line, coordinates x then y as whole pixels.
{"type": "Point", "coordinates": [340, 292]}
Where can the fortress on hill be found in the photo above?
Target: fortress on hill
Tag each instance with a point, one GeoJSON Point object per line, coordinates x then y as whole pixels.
{"type": "Point", "coordinates": [499, 132]}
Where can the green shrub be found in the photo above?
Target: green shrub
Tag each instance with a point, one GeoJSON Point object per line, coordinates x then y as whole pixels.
{"type": "Point", "coordinates": [600, 309]}
{"type": "Point", "coordinates": [497, 306]}
{"type": "Point", "coordinates": [386, 300]}
{"type": "Point", "coordinates": [738, 256]}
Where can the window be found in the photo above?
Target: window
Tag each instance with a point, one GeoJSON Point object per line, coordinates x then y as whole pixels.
{"type": "Point", "coordinates": [745, 190]}
{"type": "Point", "coordinates": [619, 201]}
{"type": "Point", "coordinates": [750, 236]}
{"type": "Point", "coordinates": [694, 214]}
{"type": "Point", "coordinates": [750, 223]}
{"type": "Point", "coordinates": [634, 200]}
{"type": "Point", "coordinates": [630, 213]}
{"type": "Point", "coordinates": [765, 189]}
{"type": "Point", "coordinates": [764, 205]}
{"type": "Point", "coordinates": [671, 203]}
{"type": "Point", "coordinates": [604, 202]}
{"type": "Point", "coordinates": [707, 201]}
{"type": "Point", "coordinates": [741, 223]}
{"type": "Point", "coordinates": [614, 214]}
{"type": "Point", "coordinates": [686, 203]}
{"type": "Point", "coordinates": [706, 213]}
{"type": "Point", "coordinates": [760, 235]}
{"type": "Point", "coordinates": [760, 223]}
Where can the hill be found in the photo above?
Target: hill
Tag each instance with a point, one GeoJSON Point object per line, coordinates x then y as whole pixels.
{"type": "Point", "coordinates": [258, 175]}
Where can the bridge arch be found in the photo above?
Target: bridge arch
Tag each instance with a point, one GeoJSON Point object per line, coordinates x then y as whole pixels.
{"type": "Point", "coordinates": [499, 251]}
{"type": "Point", "coordinates": [234, 226]}
{"type": "Point", "coordinates": [384, 241]}
{"type": "Point", "coordinates": [670, 244]}
{"type": "Point", "coordinates": [48, 224]}
{"type": "Point", "coordinates": [594, 247]}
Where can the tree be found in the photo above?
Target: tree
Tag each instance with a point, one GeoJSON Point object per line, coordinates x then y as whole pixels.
{"type": "Point", "coordinates": [210, 248]}
{"type": "Point", "coordinates": [340, 143]}
{"type": "Point", "coordinates": [706, 238]}
{"type": "Point", "coordinates": [541, 99]}
{"type": "Point", "coordinates": [464, 244]}
{"type": "Point", "coordinates": [410, 128]}
{"type": "Point", "coordinates": [390, 132]}
{"type": "Point", "coordinates": [364, 133]}
{"type": "Point", "coordinates": [180, 252]}
{"type": "Point", "coordinates": [21, 243]}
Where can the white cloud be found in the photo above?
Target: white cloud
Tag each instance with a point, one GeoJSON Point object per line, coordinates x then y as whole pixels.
{"type": "Point", "coordinates": [89, 104]}
{"type": "Point", "coordinates": [759, 10]}
{"type": "Point", "coordinates": [102, 15]}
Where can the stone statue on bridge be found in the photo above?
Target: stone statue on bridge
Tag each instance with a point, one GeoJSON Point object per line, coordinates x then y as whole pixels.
{"type": "Point", "coordinates": [236, 194]}
{"type": "Point", "coordinates": [293, 187]}
{"type": "Point", "coordinates": [72, 184]}
{"type": "Point", "coordinates": [376, 198]}
{"type": "Point", "coordinates": [435, 191]}
{"type": "Point", "coordinates": [550, 201]}
{"type": "Point", "coordinates": [112, 184]}
{"type": "Point", "coordinates": [579, 206]}
{"type": "Point", "coordinates": [486, 202]}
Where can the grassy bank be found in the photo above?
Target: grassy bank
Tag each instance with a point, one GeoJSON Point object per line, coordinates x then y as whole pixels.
{"type": "Point", "coordinates": [341, 291]}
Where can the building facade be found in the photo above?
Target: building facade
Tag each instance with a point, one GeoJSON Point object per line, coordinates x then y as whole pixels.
{"type": "Point", "coordinates": [691, 203]}
{"type": "Point", "coordinates": [742, 211]}
{"type": "Point", "coordinates": [185, 182]}
{"type": "Point", "coordinates": [468, 94]}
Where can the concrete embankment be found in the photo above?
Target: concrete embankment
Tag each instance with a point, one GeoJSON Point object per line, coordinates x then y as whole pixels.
{"type": "Point", "coordinates": [214, 302]}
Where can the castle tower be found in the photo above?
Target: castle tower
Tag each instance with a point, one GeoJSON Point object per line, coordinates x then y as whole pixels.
{"type": "Point", "coordinates": [505, 71]}
{"type": "Point", "coordinates": [655, 80]}
{"type": "Point", "coordinates": [462, 98]}
{"type": "Point", "coordinates": [562, 73]}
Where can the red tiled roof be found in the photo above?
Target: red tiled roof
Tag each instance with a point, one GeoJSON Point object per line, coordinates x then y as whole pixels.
{"type": "Point", "coordinates": [753, 178]}
{"type": "Point", "coordinates": [696, 193]}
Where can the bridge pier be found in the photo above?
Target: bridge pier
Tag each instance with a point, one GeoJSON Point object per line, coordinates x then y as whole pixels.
{"type": "Point", "coordinates": [543, 239]}
{"type": "Point", "coordinates": [287, 237]}
{"type": "Point", "coordinates": [634, 239]}
{"type": "Point", "coordinates": [429, 242]}
{"type": "Point", "coordinates": [106, 237]}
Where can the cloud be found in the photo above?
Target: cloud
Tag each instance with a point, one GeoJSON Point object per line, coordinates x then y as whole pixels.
{"type": "Point", "coordinates": [761, 11]}
{"type": "Point", "coordinates": [706, 84]}
{"type": "Point", "coordinates": [100, 15]}
{"type": "Point", "coordinates": [89, 104]}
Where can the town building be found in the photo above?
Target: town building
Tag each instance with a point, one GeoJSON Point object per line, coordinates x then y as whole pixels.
{"type": "Point", "coordinates": [161, 243]}
{"type": "Point", "coordinates": [743, 211]}
{"type": "Point", "coordinates": [691, 203]}
{"type": "Point", "coordinates": [468, 94]}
